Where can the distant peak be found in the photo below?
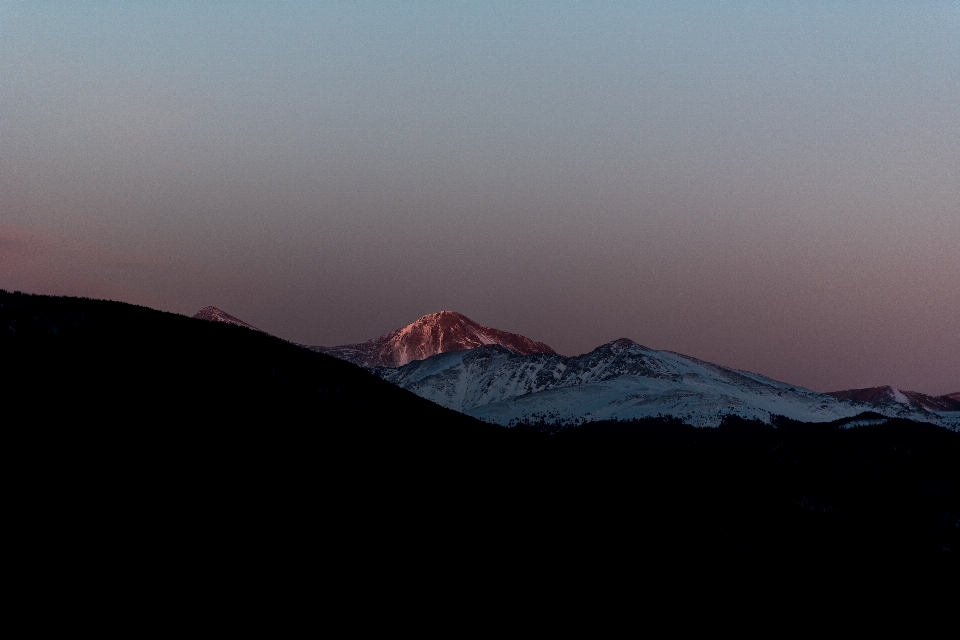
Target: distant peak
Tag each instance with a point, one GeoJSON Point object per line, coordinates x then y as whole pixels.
{"type": "Point", "coordinates": [207, 311]}
{"type": "Point", "coordinates": [439, 332]}
{"type": "Point", "coordinates": [442, 316]}
{"type": "Point", "coordinates": [886, 394]}
{"type": "Point", "coordinates": [627, 343]}
{"type": "Point", "coordinates": [213, 314]}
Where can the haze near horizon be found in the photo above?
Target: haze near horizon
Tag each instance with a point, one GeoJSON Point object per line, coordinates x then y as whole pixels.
{"type": "Point", "coordinates": [768, 187]}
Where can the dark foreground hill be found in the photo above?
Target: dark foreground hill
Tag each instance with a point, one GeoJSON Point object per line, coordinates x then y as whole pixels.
{"type": "Point", "coordinates": [150, 444]}
{"type": "Point", "coordinates": [115, 364]}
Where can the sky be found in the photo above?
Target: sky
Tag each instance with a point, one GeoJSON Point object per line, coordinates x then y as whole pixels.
{"type": "Point", "coordinates": [769, 186]}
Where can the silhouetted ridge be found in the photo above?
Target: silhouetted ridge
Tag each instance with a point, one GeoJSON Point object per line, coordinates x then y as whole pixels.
{"type": "Point", "coordinates": [119, 363]}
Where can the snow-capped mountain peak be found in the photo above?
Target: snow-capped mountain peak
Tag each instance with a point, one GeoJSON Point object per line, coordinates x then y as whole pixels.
{"type": "Point", "coordinates": [432, 334]}
{"type": "Point", "coordinates": [504, 378]}
{"type": "Point", "coordinates": [213, 314]}
{"type": "Point", "coordinates": [618, 380]}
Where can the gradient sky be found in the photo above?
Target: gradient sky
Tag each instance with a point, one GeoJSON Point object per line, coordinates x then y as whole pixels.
{"type": "Point", "coordinates": [769, 186]}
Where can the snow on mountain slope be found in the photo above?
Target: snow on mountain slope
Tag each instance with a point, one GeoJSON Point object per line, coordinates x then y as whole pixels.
{"type": "Point", "coordinates": [436, 333]}
{"type": "Point", "coordinates": [619, 380]}
{"type": "Point", "coordinates": [890, 395]}
{"type": "Point", "coordinates": [212, 314]}
{"type": "Point", "coordinates": [504, 378]}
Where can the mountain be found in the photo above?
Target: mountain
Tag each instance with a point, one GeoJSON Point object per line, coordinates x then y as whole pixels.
{"type": "Point", "coordinates": [212, 314]}
{"type": "Point", "coordinates": [435, 333]}
{"type": "Point", "coordinates": [150, 440]}
{"type": "Point", "coordinates": [887, 395]}
{"type": "Point", "coordinates": [620, 380]}
{"type": "Point", "coordinates": [506, 378]}
{"type": "Point", "coordinates": [953, 396]}
{"type": "Point", "coordinates": [121, 364]}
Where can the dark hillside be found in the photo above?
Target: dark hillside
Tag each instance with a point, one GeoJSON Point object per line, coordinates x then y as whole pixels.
{"type": "Point", "coordinates": [119, 364]}
{"type": "Point", "coordinates": [147, 443]}
{"type": "Point", "coordinates": [123, 416]}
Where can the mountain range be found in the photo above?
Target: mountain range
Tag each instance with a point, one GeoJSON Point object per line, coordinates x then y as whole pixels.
{"type": "Point", "coordinates": [506, 378]}
{"type": "Point", "coordinates": [149, 439]}
{"type": "Point", "coordinates": [621, 380]}
{"type": "Point", "coordinates": [890, 395]}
